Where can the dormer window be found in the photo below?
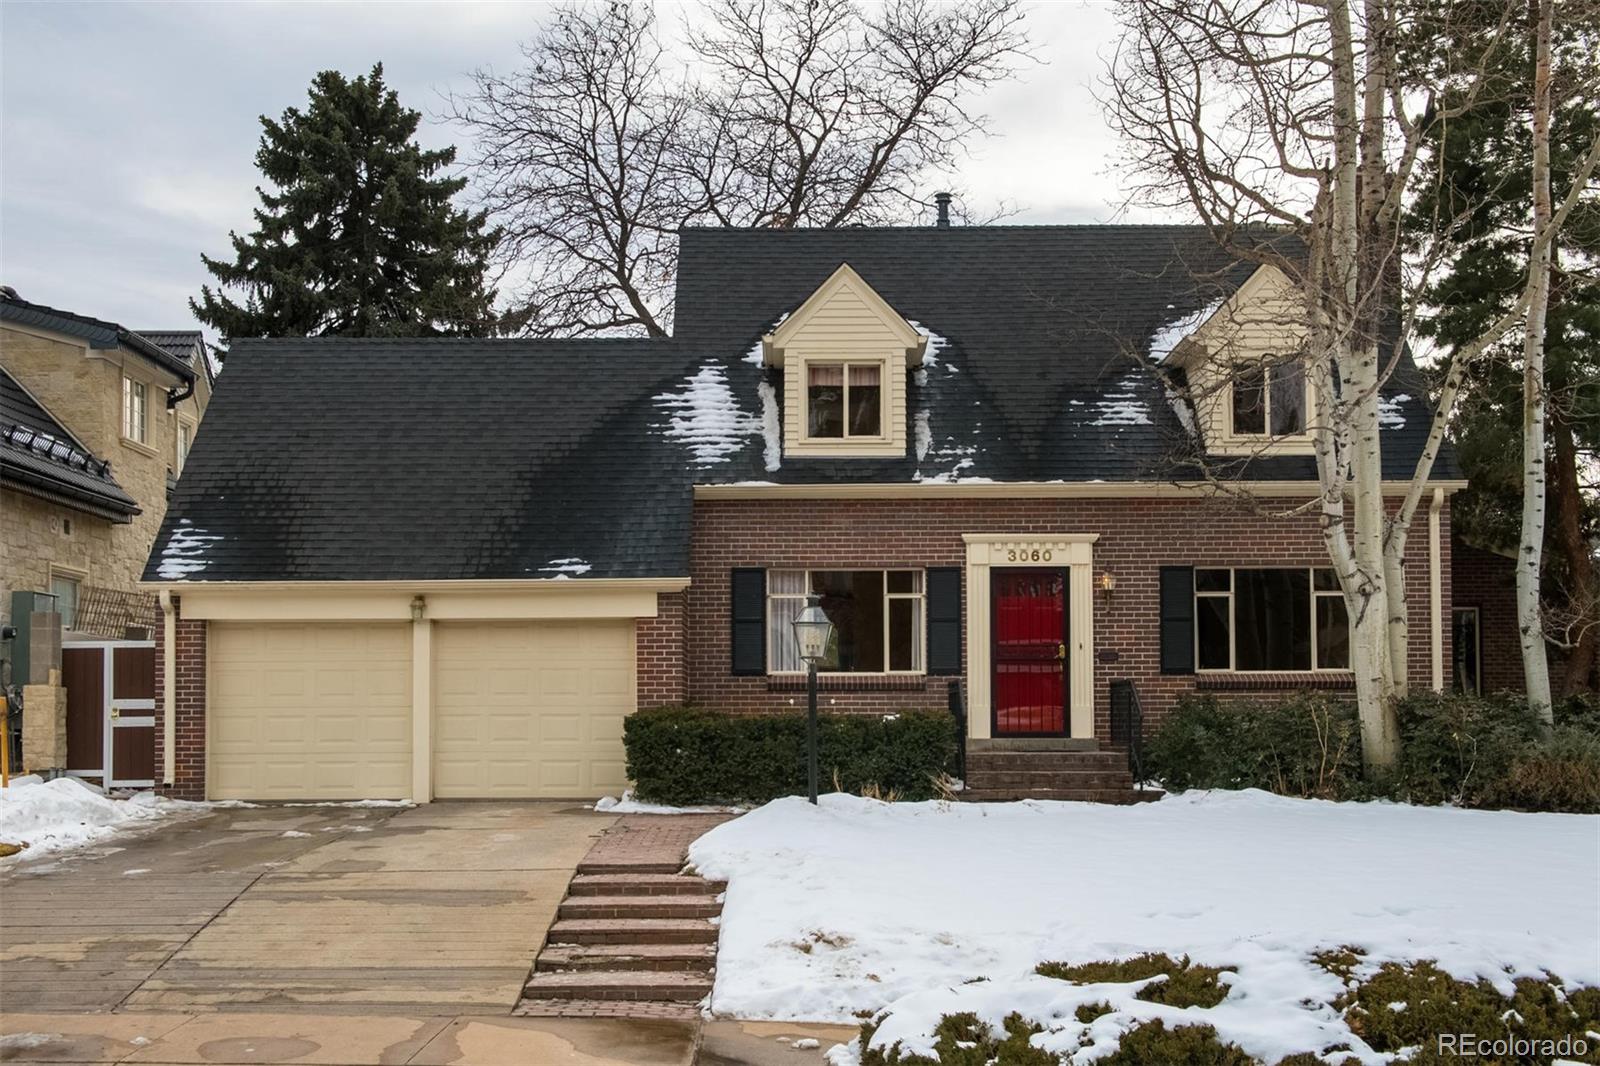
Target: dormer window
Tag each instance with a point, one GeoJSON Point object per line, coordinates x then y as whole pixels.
{"type": "Point", "coordinates": [844, 400]}
{"type": "Point", "coordinates": [1269, 400]}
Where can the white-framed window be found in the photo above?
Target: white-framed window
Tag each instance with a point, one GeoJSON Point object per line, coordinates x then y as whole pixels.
{"type": "Point", "coordinates": [1467, 647]}
{"type": "Point", "coordinates": [877, 618]}
{"type": "Point", "coordinates": [64, 587]}
{"type": "Point", "coordinates": [1268, 399]}
{"type": "Point", "coordinates": [185, 440]}
{"type": "Point", "coordinates": [1259, 620]}
{"type": "Point", "coordinates": [135, 410]}
{"type": "Point", "coordinates": [844, 400]}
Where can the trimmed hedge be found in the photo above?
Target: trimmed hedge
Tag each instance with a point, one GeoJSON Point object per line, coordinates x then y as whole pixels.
{"type": "Point", "coordinates": [1467, 750]}
{"type": "Point", "coordinates": [688, 755]}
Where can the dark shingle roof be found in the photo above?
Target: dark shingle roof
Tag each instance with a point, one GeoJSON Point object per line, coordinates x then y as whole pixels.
{"type": "Point", "coordinates": [431, 459]}
{"type": "Point", "coordinates": [97, 332]}
{"type": "Point", "coordinates": [187, 344]}
{"type": "Point", "coordinates": [1039, 378]}
{"type": "Point", "coordinates": [451, 458]}
{"type": "Point", "coordinates": [39, 456]}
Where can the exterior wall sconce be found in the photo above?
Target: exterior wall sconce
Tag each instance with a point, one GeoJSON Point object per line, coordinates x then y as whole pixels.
{"type": "Point", "coordinates": [1108, 584]}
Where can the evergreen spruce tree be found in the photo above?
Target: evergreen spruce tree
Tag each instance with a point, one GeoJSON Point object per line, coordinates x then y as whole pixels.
{"type": "Point", "coordinates": [357, 236]}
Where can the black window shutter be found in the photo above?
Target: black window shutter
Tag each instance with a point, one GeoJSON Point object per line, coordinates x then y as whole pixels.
{"type": "Point", "coordinates": [1177, 619]}
{"type": "Point", "coordinates": [944, 620]}
{"type": "Point", "coordinates": [749, 621]}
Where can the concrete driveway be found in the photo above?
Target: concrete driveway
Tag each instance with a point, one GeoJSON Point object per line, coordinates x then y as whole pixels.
{"type": "Point", "coordinates": [433, 910]}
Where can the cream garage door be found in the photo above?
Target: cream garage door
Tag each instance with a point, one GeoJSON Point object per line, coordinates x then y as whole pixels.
{"type": "Point", "coordinates": [309, 711]}
{"type": "Point", "coordinates": [530, 708]}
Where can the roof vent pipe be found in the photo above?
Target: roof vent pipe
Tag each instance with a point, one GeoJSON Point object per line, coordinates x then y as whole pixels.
{"type": "Point", "coordinates": [943, 200]}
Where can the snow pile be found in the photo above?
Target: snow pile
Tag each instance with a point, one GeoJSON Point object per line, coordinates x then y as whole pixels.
{"type": "Point", "coordinates": [1123, 407]}
{"type": "Point", "coordinates": [628, 805]}
{"type": "Point", "coordinates": [708, 419]}
{"type": "Point", "coordinates": [1391, 411]}
{"type": "Point", "coordinates": [566, 568]}
{"type": "Point", "coordinates": [185, 551]}
{"type": "Point", "coordinates": [1168, 336]}
{"type": "Point", "coordinates": [858, 905]}
{"type": "Point", "coordinates": [66, 813]}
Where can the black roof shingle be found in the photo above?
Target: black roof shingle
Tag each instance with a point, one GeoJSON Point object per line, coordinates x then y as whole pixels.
{"type": "Point", "coordinates": [38, 455]}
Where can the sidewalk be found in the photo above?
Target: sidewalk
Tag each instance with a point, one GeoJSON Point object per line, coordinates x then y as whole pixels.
{"type": "Point", "coordinates": [236, 1039]}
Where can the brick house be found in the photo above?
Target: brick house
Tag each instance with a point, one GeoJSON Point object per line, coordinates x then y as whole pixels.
{"type": "Point", "coordinates": [452, 567]}
{"type": "Point", "coordinates": [95, 423]}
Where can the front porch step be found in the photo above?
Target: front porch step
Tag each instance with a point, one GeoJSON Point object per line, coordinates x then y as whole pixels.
{"type": "Point", "coordinates": [627, 985]}
{"type": "Point", "coordinates": [1080, 795]}
{"type": "Point", "coordinates": [653, 884]}
{"type": "Point", "coordinates": [657, 906]}
{"type": "Point", "coordinates": [1104, 761]}
{"type": "Point", "coordinates": [589, 867]}
{"type": "Point", "coordinates": [697, 958]}
{"type": "Point", "coordinates": [1090, 779]}
{"type": "Point", "coordinates": [632, 931]}
{"type": "Point", "coordinates": [1034, 744]}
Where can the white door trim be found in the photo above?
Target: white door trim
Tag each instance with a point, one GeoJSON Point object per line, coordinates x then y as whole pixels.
{"type": "Point", "coordinates": [1075, 552]}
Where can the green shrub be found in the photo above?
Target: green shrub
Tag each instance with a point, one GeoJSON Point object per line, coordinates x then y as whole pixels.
{"type": "Point", "coordinates": [963, 1040]}
{"type": "Point", "coordinates": [688, 755]}
{"type": "Point", "coordinates": [1435, 1003]}
{"type": "Point", "coordinates": [1187, 985]}
{"type": "Point", "coordinates": [1307, 745]}
{"type": "Point", "coordinates": [1153, 1044]}
{"type": "Point", "coordinates": [1562, 774]}
{"type": "Point", "coordinates": [1453, 747]}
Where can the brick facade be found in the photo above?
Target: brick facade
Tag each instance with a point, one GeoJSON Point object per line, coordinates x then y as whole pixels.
{"type": "Point", "coordinates": [189, 781]}
{"type": "Point", "coordinates": [661, 676]}
{"type": "Point", "coordinates": [1137, 537]}
{"type": "Point", "coordinates": [1488, 582]}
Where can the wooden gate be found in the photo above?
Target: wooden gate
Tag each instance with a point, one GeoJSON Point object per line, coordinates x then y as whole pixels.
{"type": "Point", "coordinates": [111, 725]}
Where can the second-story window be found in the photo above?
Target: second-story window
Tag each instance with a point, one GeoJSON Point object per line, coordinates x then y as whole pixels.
{"type": "Point", "coordinates": [184, 432]}
{"type": "Point", "coordinates": [135, 411]}
{"type": "Point", "coordinates": [1269, 400]}
{"type": "Point", "coordinates": [844, 400]}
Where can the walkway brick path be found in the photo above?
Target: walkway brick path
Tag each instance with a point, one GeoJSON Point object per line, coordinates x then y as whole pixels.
{"type": "Point", "coordinates": [635, 936]}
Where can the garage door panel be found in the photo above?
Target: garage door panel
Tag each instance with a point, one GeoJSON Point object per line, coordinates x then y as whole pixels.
{"type": "Point", "coordinates": [309, 711]}
{"type": "Point", "coordinates": [549, 725]}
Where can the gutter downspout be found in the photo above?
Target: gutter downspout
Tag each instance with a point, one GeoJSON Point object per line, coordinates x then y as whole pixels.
{"type": "Point", "coordinates": [175, 396]}
{"type": "Point", "coordinates": [1436, 590]}
{"type": "Point", "coordinates": [169, 671]}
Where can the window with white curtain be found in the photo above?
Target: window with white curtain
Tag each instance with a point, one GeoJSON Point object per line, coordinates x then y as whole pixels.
{"type": "Point", "coordinates": [135, 410]}
{"type": "Point", "coordinates": [877, 618]}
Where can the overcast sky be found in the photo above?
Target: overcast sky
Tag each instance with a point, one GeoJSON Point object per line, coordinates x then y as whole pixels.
{"type": "Point", "coordinates": [128, 130]}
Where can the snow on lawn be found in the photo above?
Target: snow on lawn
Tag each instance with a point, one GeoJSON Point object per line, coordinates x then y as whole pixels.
{"type": "Point", "coordinates": [65, 813]}
{"type": "Point", "coordinates": [856, 904]}
{"type": "Point", "coordinates": [628, 805]}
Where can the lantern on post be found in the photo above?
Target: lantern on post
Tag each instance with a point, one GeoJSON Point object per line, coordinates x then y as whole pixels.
{"type": "Point", "coordinates": [812, 631]}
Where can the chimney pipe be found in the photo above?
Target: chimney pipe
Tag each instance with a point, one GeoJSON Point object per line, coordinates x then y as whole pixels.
{"type": "Point", "coordinates": [943, 200]}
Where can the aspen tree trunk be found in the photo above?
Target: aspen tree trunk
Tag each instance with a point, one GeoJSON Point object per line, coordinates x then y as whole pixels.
{"type": "Point", "coordinates": [1530, 621]}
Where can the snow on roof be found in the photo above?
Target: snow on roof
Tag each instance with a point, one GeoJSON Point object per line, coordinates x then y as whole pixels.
{"type": "Point", "coordinates": [1391, 411]}
{"type": "Point", "coordinates": [185, 551]}
{"type": "Point", "coordinates": [932, 346]}
{"type": "Point", "coordinates": [1124, 406]}
{"type": "Point", "coordinates": [708, 419]}
{"type": "Point", "coordinates": [1167, 337]}
{"type": "Point", "coordinates": [566, 568]}
{"type": "Point", "coordinates": [757, 355]}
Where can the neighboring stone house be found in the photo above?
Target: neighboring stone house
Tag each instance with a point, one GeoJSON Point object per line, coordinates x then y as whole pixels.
{"type": "Point", "coordinates": [95, 424]}
{"type": "Point", "coordinates": [451, 568]}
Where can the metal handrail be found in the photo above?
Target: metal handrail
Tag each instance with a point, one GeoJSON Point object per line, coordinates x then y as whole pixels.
{"type": "Point", "coordinates": [958, 710]}
{"type": "Point", "coordinates": [1127, 726]}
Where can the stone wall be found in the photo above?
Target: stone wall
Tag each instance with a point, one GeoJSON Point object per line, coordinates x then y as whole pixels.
{"type": "Point", "coordinates": [34, 534]}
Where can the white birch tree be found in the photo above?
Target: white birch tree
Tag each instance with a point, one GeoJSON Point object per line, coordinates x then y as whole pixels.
{"type": "Point", "coordinates": [1306, 118]}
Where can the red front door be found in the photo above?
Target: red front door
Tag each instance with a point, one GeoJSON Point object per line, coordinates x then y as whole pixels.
{"type": "Point", "coordinates": [1029, 689]}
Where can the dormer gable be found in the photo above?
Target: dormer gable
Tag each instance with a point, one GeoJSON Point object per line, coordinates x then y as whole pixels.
{"type": "Point", "coordinates": [845, 355]}
{"type": "Point", "coordinates": [1244, 360]}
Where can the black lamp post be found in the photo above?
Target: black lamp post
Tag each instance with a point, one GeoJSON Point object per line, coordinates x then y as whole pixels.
{"type": "Point", "coordinates": [812, 631]}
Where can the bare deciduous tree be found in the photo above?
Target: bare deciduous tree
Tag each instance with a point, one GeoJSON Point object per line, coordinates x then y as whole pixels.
{"type": "Point", "coordinates": [1303, 118]}
{"type": "Point", "coordinates": [792, 112]}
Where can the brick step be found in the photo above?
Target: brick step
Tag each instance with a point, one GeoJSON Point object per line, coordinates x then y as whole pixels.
{"type": "Point", "coordinates": [699, 958]}
{"type": "Point", "coordinates": [1082, 795]}
{"type": "Point", "coordinates": [629, 985]}
{"type": "Point", "coordinates": [644, 885]}
{"type": "Point", "coordinates": [587, 867]}
{"type": "Point", "coordinates": [632, 931]}
{"type": "Point", "coordinates": [1049, 778]}
{"type": "Point", "coordinates": [640, 907]}
{"type": "Point", "coordinates": [1088, 744]}
{"type": "Point", "coordinates": [1046, 760]}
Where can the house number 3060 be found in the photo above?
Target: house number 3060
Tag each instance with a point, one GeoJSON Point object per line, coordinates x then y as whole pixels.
{"type": "Point", "coordinates": [1024, 555]}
